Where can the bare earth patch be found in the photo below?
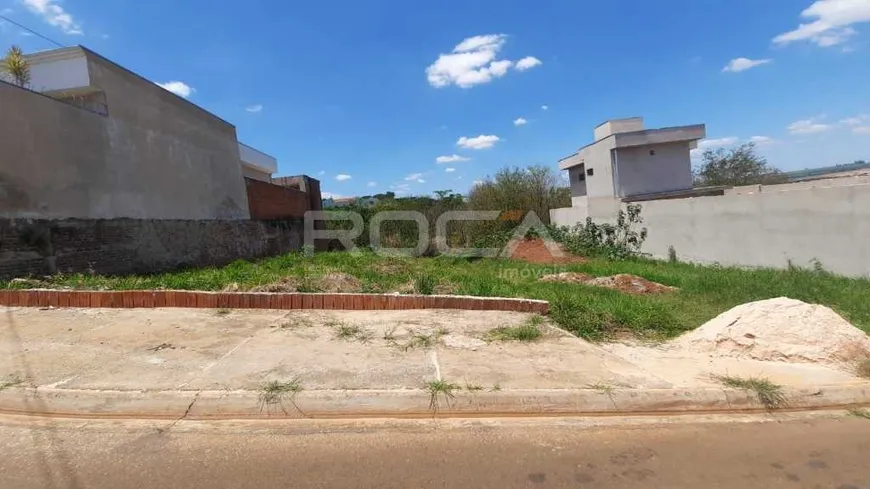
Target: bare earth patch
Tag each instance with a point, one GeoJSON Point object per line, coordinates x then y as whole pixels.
{"type": "Point", "coordinates": [535, 251]}
{"type": "Point", "coordinates": [623, 282]}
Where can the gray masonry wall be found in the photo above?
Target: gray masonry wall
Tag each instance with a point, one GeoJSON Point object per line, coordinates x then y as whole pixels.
{"type": "Point", "coordinates": [154, 156]}
{"type": "Point", "coordinates": [762, 229]}
{"type": "Point", "coordinates": [123, 246]}
{"type": "Point", "coordinates": [640, 172]}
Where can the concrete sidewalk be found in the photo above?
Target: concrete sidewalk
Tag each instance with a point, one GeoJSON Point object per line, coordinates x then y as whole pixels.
{"type": "Point", "coordinates": [217, 363]}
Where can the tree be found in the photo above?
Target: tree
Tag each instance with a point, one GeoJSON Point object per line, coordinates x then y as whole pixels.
{"type": "Point", "coordinates": [16, 66]}
{"type": "Point", "coordinates": [736, 166]}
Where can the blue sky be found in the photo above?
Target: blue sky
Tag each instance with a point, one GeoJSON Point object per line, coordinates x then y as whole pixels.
{"type": "Point", "coordinates": [376, 91]}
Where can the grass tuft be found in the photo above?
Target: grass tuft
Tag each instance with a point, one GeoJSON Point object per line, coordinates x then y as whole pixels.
{"type": "Point", "coordinates": [526, 332]}
{"type": "Point", "coordinates": [863, 368]}
{"type": "Point", "coordinates": [425, 284]}
{"type": "Point", "coordinates": [860, 413]}
{"type": "Point", "coordinates": [352, 332]}
{"type": "Point", "coordinates": [223, 311]}
{"type": "Point", "coordinates": [10, 382]}
{"type": "Point", "coordinates": [769, 394]}
{"type": "Point", "coordinates": [275, 392]}
{"type": "Point", "coordinates": [440, 389]}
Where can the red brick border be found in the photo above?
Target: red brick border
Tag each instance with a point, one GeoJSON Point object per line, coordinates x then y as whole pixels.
{"type": "Point", "coordinates": [261, 300]}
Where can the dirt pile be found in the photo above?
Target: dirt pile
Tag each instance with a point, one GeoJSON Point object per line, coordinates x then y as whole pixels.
{"type": "Point", "coordinates": [783, 330]}
{"type": "Point", "coordinates": [536, 251]}
{"type": "Point", "coordinates": [623, 282]}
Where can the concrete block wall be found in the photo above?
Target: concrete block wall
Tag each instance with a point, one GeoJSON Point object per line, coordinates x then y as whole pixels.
{"type": "Point", "coordinates": [123, 246]}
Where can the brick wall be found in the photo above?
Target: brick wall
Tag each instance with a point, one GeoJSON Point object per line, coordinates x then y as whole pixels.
{"type": "Point", "coordinates": [122, 246]}
{"type": "Point", "coordinates": [268, 201]}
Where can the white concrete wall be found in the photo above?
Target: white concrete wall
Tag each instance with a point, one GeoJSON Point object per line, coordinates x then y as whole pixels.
{"type": "Point", "coordinates": [597, 158]}
{"type": "Point", "coordinates": [640, 172]}
{"type": "Point", "coordinates": [616, 126]}
{"type": "Point", "coordinates": [257, 160]}
{"type": "Point", "coordinates": [829, 224]}
{"type": "Point", "coordinates": [60, 73]}
{"type": "Point", "coordinates": [568, 216]}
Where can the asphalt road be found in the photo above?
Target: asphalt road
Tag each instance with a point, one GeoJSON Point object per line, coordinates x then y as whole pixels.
{"type": "Point", "coordinates": [786, 451]}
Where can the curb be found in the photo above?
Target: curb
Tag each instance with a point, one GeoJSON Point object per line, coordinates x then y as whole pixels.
{"type": "Point", "coordinates": [241, 404]}
{"type": "Point", "coordinates": [262, 300]}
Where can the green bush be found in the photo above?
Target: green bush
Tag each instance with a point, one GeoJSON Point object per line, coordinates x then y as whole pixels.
{"type": "Point", "coordinates": [618, 241]}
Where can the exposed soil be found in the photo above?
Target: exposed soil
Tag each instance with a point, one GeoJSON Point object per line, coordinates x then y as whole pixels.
{"type": "Point", "coordinates": [623, 282]}
{"type": "Point", "coordinates": [535, 251]}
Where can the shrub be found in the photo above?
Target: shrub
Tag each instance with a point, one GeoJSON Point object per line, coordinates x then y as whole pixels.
{"type": "Point", "coordinates": [614, 241]}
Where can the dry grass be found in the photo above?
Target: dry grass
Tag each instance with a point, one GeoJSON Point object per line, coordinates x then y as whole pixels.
{"type": "Point", "coordinates": [863, 368]}
{"type": "Point", "coordinates": [770, 395]}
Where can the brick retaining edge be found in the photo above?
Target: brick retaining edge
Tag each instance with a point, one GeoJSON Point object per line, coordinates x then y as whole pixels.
{"type": "Point", "coordinates": [262, 300]}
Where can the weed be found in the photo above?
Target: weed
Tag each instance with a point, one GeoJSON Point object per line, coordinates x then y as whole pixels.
{"type": "Point", "coordinates": [162, 346]}
{"type": "Point", "coordinates": [296, 322]}
{"type": "Point", "coordinates": [10, 382]}
{"type": "Point", "coordinates": [863, 369]}
{"type": "Point", "coordinates": [442, 331]}
{"type": "Point", "coordinates": [495, 388]}
{"type": "Point", "coordinates": [425, 284]}
{"type": "Point", "coordinates": [352, 332]}
{"type": "Point", "coordinates": [440, 389]}
{"type": "Point", "coordinates": [769, 394]}
{"type": "Point", "coordinates": [860, 413]}
{"type": "Point", "coordinates": [275, 392]}
{"type": "Point", "coordinates": [525, 332]}
{"type": "Point", "coordinates": [672, 255]}
{"type": "Point", "coordinates": [390, 335]}
{"type": "Point", "coordinates": [602, 387]}
{"type": "Point", "coordinates": [223, 311]}
{"type": "Point", "coordinates": [472, 387]}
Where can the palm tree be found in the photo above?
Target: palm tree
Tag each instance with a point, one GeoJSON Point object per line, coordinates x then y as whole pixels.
{"type": "Point", "coordinates": [16, 65]}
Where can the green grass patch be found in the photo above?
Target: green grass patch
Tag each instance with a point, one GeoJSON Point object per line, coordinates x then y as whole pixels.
{"type": "Point", "coordinates": [769, 394]}
{"type": "Point", "coordinates": [440, 390]}
{"type": "Point", "coordinates": [589, 312]}
{"type": "Point", "coordinates": [527, 332]}
{"type": "Point", "coordinates": [860, 413]}
{"type": "Point", "coordinates": [275, 392]}
{"type": "Point", "coordinates": [352, 332]}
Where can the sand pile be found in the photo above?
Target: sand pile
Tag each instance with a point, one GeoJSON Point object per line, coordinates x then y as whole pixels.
{"type": "Point", "coordinates": [783, 330]}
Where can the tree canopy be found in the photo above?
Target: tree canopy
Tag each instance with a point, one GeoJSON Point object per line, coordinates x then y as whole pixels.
{"type": "Point", "coordinates": [736, 166]}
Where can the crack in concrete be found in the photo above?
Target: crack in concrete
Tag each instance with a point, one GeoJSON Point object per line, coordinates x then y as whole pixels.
{"type": "Point", "coordinates": [186, 412]}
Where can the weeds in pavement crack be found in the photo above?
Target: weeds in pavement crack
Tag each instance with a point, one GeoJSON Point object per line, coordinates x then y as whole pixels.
{"type": "Point", "coordinates": [274, 393]}
{"type": "Point", "coordinates": [440, 389]}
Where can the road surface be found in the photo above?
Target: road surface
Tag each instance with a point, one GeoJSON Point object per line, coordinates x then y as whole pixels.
{"type": "Point", "coordinates": [785, 451]}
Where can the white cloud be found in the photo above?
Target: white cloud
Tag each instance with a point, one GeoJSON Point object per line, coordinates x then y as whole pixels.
{"type": "Point", "coordinates": [480, 142]}
{"type": "Point", "coordinates": [254, 108]}
{"type": "Point", "coordinates": [321, 173]}
{"type": "Point", "coordinates": [473, 62]}
{"type": "Point", "coordinates": [372, 184]}
{"type": "Point", "coordinates": [477, 182]}
{"type": "Point", "coordinates": [832, 22]}
{"type": "Point", "coordinates": [761, 140]}
{"type": "Point", "coordinates": [413, 176]}
{"type": "Point", "coordinates": [858, 120]}
{"type": "Point", "coordinates": [178, 88]}
{"type": "Point", "coordinates": [55, 15]}
{"type": "Point", "coordinates": [450, 170]}
{"type": "Point", "coordinates": [861, 130]}
{"type": "Point", "coordinates": [808, 126]}
{"type": "Point", "coordinates": [717, 143]}
{"type": "Point", "coordinates": [341, 177]}
{"type": "Point", "coordinates": [743, 64]}
{"type": "Point", "coordinates": [527, 63]}
{"type": "Point", "coordinates": [420, 180]}
{"type": "Point", "coordinates": [450, 159]}
{"type": "Point", "coordinates": [545, 107]}
{"type": "Point", "coordinates": [520, 121]}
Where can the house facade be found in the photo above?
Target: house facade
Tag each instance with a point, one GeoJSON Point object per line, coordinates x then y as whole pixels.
{"type": "Point", "coordinates": [628, 161]}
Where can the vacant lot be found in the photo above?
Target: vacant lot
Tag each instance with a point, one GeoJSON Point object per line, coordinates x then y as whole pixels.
{"type": "Point", "coordinates": [590, 312]}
